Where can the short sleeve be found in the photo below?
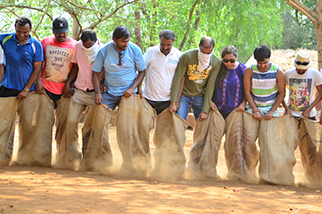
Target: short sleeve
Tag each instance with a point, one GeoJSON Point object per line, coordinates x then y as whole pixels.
{"type": "Point", "coordinates": [317, 78]}
{"type": "Point", "coordinates": [139, 61]}
{"type": "Point", "coordinates": [286, 75]}
{"type": "Point", "coordinates": [147, 57]}
{"type": "Point", "coordinates": [1, 56]}
{"type": "Point", "coordinates": [74, 56]}
{"type": "Point", "coordinates": [39, 54]}
{"type": "Point", "coordinates": [99, 61]}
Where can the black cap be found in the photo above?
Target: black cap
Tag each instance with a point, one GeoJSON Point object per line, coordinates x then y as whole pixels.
{"type": "Point", "coordinates": [60, 25]}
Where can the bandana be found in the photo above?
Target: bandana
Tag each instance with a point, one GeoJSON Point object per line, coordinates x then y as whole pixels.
{"type": "Point", "coordinates": [203, 60]}
{"type": "Point", "coordinates": [91, 52]}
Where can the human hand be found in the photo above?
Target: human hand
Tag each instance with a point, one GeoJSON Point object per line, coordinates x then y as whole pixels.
{"type": "Point", "coordinates": [67, 91]}
{"type": "Point", "coordinates": [22, 95]}
{"type": "Point", "coordinates": [213, 106]}
{"type": "Point", "coordinates": [173, 107]}
{"type": "Point", "coordinates": [98, 99]}
{"type": "Point", "coordinates": [39, 89]}
{"type": "Point", "coordinates": [203, 116]}
{"type": "Point", "coordinates": [268, 115]}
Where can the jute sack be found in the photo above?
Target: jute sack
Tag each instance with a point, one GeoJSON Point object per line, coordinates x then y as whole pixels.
{"type": "Point", "coordinates": [69, 151]}
{"type": "Point", "coordinates": [36, 119]}
{"type": "Point", "coordinates": [310, 137]}
{"type": "Point", "coordinates": [97, 153]}
{"type": "Point", "coordinates": [277, 142]}
{"type": "Point", "coordinates": [134, 120]}
{"type": "Point", "coordinates": [240, 149]}
{"type": "Point", "coordinates": [169, 139]}
{"type": "Point", "coordinates": [203, 155]}
{"type": "Point", "coordinates": [8, 110]}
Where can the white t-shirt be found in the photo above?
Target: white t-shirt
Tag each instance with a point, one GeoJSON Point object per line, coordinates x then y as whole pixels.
{"type": "Point", "coordinates": [159, 73]}
{"type": "Point", "coordinates": [1, 56]}
{"type": "Point", "coordinates": [302, 90]}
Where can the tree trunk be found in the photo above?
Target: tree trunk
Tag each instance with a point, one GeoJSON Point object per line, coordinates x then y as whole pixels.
{"type": "Point", "coordinates": [75, 30]}
{"type": "Point", "coordinates": [318, 33]}
{"type": "Point", "coordinates": [137, 31]}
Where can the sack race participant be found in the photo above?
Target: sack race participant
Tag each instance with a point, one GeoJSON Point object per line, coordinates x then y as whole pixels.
{"type": "Point", "coordinates": [311, 150]}
{"type": "Point", "coordinates": [240, 149]}
{"type": "Point", "coordinates": [97, 153]}
{"type": "Point", "coordinates": [134, 120]}
{"type": "Point", "coordinates": [203, 155]}
{"type": "Point", "coordinates": [169, 141]}
{"type": "Point", "coordinates": [277, 140]}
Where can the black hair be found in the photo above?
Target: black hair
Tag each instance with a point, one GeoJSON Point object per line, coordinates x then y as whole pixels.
{"type": "Point", "coordinates": [167, 34]}
{"type": "Point", "coordinates": [206, 39]}
{"type": "Point", "coordinates": [22, 21]}
{"type": "Point", "coordinates": [88, 35]}
{"type": "Point", "coordinates": [262, 52]}
{"type": "Point", "coordinates": [223, 71]}
{"type": "Point", "coordinates": [120, 32]}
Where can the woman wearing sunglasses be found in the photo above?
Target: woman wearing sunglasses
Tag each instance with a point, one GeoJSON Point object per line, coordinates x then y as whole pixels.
{"type": "Point", "coordinates": [228, 94]}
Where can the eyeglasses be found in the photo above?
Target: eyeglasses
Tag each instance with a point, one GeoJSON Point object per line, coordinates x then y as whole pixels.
{"type": "Point", "coordinates": [229, 60]}
{"type": "Point", "coordinates": [120, 59]}
{"type": "Point", "coordinates": [302, 63]}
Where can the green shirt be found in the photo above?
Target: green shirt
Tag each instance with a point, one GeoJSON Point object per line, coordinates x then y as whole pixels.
{"type": "Point", "coordinates": [196, 84]}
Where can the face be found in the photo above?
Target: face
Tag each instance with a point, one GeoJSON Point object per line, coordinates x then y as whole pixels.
{"type": "Point", "coordinates": [121, 44]}
{"type": "Point", "coordinates": [230, 61]}
{"type": "Point", "coordinates": [88, 44]}
{"type": "Point", "coordinates": [61, 37]}
{"type": "Point", "coordinates": [263, 65]}
{"type": "Point", "coordinates": [166, 45]}
{"type": "Point", "coordinates": [22, 32]}
{"type": "Point", "coordinates": [301, 71]}
{"type": "Point", "coordinates": [206, 50]}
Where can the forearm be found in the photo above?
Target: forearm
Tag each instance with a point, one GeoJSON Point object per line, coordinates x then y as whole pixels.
{"type": "Point", "coordinates": [277, 102]}
{"type": "Point", "coordinates": [250, 100]}
{"type": "Point", "coordinates": [72, 75]}
{"type": "Point", "coordinates": [1, 72]}
{"type": "Point", "coordinates": [96, 82]}
{"type": "Point", "coordinates": [35, 75]}
{"type": "Point", "coordinates": [138, 80]}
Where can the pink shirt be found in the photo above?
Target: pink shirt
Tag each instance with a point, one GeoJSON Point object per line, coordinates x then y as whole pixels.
{"type": "Point", "coordinates": [57, 63]}
{"type": "Point", "coordinates": [84, 75]}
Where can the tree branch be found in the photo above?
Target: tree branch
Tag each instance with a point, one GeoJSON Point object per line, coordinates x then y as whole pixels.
{"type": "Point", "coordinates": [26, 7]}
{"type": "Point", "coordinates": [302, 8]}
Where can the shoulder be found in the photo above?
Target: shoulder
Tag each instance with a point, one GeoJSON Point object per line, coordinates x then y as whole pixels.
{"type": "Point", "coordinates": [275, 67]}
{"type": "Point", "coordinates": [35, 41]}
{"type": "Point", "coordinates": [134, 47]}
{"type": "Point", "coordinates": [151, 49]}
{"type": "Point", "coordinates": [189, 53]}
{"type": "Point", "coordinates": [6, 37]}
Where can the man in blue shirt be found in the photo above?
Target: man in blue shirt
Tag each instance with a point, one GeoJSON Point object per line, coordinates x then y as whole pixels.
{"type": "Point", "coordinates": [23, 60]}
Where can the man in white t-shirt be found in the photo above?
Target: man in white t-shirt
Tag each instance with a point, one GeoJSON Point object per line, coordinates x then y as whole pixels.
{"type": "Point", "coordinates": [301, 80]}
{"type": "Point", "coordinates": [161, 62]}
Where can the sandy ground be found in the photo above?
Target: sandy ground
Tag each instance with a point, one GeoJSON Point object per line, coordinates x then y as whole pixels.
{"type": "Point", "coordinates": [47, 190]}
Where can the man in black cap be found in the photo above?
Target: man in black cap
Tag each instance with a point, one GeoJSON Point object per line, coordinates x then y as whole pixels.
{"type": "Point", "coordinates": [58, 50]}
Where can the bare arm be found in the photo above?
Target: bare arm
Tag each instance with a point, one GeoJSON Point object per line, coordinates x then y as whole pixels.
{"type": "Point", "coordinates": [138, 80]}
{"type": "Point", "coordinates": [96, 83]}
{"type": "Point", "coordinates": [67, 92]}
{"type": "Point", "coordinates": [247, 90]}
{"type": "Point", "coordinates": [34, 76]}
{"type": "Point", "coordinates": [1, 72]}
{"type": "Point", "coordinates": [307, 111]}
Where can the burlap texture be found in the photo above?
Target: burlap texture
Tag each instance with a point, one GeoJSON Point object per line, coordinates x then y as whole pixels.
{"type": "Point", "coordinates": [277, 142]}
{"type": "Point", "coordinates": [97, 153]}
{"type": "Point", "coordinates": [169, 139]}
{"type": "Point", "coordinates": [203, 155]}
{"type": "Point", "coordinates": [134, 120]}
{"type": "Point", "coordinates": [8, 109]}
{"type": "Point", "coordinates": [310, 137]}
{"type": "Point", "coordinates": [36, 119]}
{"type": "Point", "coordinates": [240, 149]}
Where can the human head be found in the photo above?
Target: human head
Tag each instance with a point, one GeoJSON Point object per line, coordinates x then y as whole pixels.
{"type": "Point", "coordinates": [23, 27]}
{"type": "Point", "coordinates": [262, 55]}
{"type": "Point", "coordinates": [229, 56]}
{"type": "Point", "coordinates": [206, 45]}
{"type": "Point", "coordinates": [121, 38]}
{"type": "Point", "coordinates": [302, 62]}
{"type": "Point", "coordinates": [167, 38]}
{"type": "Point", "coordinates": [60, 29]}
{"type": "Point", "coordinates": [88, 38]}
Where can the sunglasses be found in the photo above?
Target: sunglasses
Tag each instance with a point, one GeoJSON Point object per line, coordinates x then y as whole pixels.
{"type": "Point", "coordinates": [120, 59]}
{"type": "Point", "coordinates": [229, 60]}
{"type": "Point", "coordinates": [302, 63]}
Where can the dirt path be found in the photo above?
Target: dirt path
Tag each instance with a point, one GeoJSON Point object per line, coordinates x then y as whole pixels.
{"type": "Point", "coordinates": [46, 190]}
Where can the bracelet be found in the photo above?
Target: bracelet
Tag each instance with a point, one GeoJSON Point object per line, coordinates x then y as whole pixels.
{"type": "Point", "coordinates": [257, 111]}
{"type": "Point", "coordinates": [26, 89]}
{"type": "Point", "coordinates": [98, 95]}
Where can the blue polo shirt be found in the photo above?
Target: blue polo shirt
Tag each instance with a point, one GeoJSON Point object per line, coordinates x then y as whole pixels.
{"type": "Point", "coordinates": [19, 60]}
{"type": "Point", "coordinates": [119, 78]}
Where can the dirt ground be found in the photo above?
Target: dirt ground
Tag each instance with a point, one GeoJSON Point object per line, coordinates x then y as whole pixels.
{"type": "Point", "coordinates": [47, 190]}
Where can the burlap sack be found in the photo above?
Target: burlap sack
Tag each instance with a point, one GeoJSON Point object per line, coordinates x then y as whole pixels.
{"type": "Point", "coordinates": [69, 152]}
{"type": "Point", "coordinates": [97, 153]}
{"type": "Point", "coordinates": [134, 121]}
{"type": "Point", "coordinates": [203, 155]}
{"type": "Point", "coordinates": [36, 119]}
{"type": "Point", "coordinates": [8, 109]}
{"type": "Point", "coordinates": [310, 137]}
{"type": "Point", "coordinates": [240, 149]}
{"type": "Point", "coordinates": [169, 139]}
{"type": "Point", "coordinates": [277, 142]}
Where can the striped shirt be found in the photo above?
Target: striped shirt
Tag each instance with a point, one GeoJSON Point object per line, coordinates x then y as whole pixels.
{"type": "Point", "coordinates": [264, 85]}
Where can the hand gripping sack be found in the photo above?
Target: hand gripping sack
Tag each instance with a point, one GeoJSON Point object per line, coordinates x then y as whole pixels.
{"type": "Point", "coordinates": [310, 138]}
{"type": "Point", "coordinates": [134, 120]}
{"type": "Point", "coordinates": [203, 155]}
{"type": "Point", "coordinates": [36, 119]}
{"type": "Point", "coordinates": [240, 149]}
{"type": "Point", "coordinates": [277, 142]}
{"type": "Point", "coordinates": [97, 153]}
{"type": "Point", "coordinates": [169, 139]}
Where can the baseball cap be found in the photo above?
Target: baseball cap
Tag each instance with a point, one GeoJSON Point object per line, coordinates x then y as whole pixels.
{"type": "Point", "coordinates": [60, 25]}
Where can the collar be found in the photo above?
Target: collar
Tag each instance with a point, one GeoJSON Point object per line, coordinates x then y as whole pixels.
{"type": "Point", "coordinates": [15, 38]}
{"type": "Point", "coordinates": [158, 50]}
